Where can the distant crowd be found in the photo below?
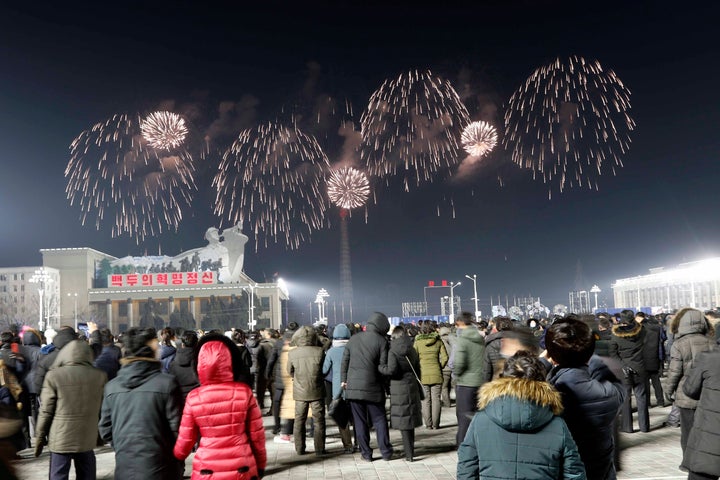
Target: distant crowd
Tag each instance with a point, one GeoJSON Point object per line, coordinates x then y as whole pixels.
{"type": "Point", "coordinates": [539, 399]}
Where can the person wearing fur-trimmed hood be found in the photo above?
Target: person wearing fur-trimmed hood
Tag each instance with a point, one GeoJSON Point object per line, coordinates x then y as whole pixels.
{"type": "Point", "coordinates": [520, 413]}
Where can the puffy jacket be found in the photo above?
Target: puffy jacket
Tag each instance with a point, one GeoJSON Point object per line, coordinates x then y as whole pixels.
{"type": "Point", "coordinates": [448, 340]}
{"type": "Point", "coordinates": [529, 439]}
{"type": "Point", "coordinates": [626, 346]}
{"type": "Point", "coordinates": [692, 336]}
{"type": "Point", "coordinates": [140, 416]}
{"type": "Point", "coordinates": [493, 359]}
{"type": "Point", "coordinates": [433, 358]}
{"type": "Point", "coordinates": [258, 355]}
{"type": "Point", "coordinates": [363, 355]}
{"type": "Point", "coordinates": [225, 416]}
{"type": "Point", "coordinates": [469, 357]}
{"type": "Point", "coordinates": [287, 402]}
{"type": "Point", "coordinates": [70, 401]}
{"type": "Point", "coordinates": [405, 406]}
{"type": "Point", "coordinates": [333, 357]}
{"type": "Point", "coordinates": [305, 366]}
{"type": "Point", "coordinates": [167, 355]}
{"type": "Point", "coordinates": [602, 342]}
{"type": "Point", "coordinates": [651, 346]}
{"type": "Point", "coordinates": [702, 454]}
{"type": "Point", "coordinates": [183, 368]}
{"type": "Point", "coordinates": [31, 351]}
{"type": "Point", "coordinates": [109, 360]}
{"type": "Point", "coordinates": [591, 396]}
{"type": "Point", "coordinates": [63, 337]}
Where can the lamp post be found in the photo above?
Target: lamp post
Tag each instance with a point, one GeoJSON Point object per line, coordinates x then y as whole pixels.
{"type": "Point", "coordinates": [320, 300]}
{"type": "Point", "coordinates": [74, 295]}
{"type": "Point", "coordinates": [452, 300]}
{"type": "Point", "coordinates": [595, 289]}
{"type": "Point", "coordinates": [251, 308]}
{"type": "Point", "coordinates": [41, 277]}
{"type": "Point", "coordinates": [474, 280]}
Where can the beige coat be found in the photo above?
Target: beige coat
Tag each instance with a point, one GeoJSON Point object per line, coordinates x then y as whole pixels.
{"type": "Point", "coordinates": [70, 401]}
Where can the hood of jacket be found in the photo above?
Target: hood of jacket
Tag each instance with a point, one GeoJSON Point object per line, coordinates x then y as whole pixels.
{"type": "Point", "coordinates": [135, 371]}
{"type": "Point", "coordinates": [625, 330]}
{"type": "Point", "coordinates": [688, 321]}
{"type": "Point", "coordinates": [184, 356]}
{"type": "Point", "coordinates": [76, 352]}
{"type": "Point", "coordinates": [214, 363]}
{"type": "Point", "coordinates": [378, 323]}
{"type": "Point", "coordinates": [167, 351]}
{"type": "Point", "coordinates": [401, 346]}
{"type": "Point", "coordinates": [305, 337]}
{"type": "Point", "coordinates": [494, 336]}
{"type": "Point", "coordinates": [341, 331]}
{"type": "Point", "coordinates": [63, 337]}
{"type": "Point", "coordinates": [427, 339]}
{"type": "Point", "coordinates": [31, 337]}
{"type": "Point", "coordinates": [472, 334]}
{"type": "Point", "coordinates": [519, 405]}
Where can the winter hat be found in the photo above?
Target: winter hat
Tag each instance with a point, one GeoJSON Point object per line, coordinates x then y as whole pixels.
{"type": "Point", "coordinates": [341, 331]}
{"type": "Point", "coordinates": [380, 322]}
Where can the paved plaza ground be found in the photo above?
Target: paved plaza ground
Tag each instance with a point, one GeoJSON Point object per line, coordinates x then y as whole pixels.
{"type": "Point", "coordinates": [654, 455]}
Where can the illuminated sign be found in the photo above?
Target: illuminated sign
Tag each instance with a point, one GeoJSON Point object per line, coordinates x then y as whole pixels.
{"type": "Point", "coordinates": [161, 279]}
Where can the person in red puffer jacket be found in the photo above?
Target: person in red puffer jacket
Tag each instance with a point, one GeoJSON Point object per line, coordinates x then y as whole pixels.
{"type": "Point", "coordinates": [225, 415]}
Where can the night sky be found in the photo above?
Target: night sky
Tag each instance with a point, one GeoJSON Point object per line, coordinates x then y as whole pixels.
{"type": "Point", "coordinates": [62, 69]}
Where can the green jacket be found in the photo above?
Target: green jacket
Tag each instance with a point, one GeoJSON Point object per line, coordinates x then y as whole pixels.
{"type": "Point", "coordinates": [517, 433]}
{"type": "Point", "coordinates": [433, 358]}
{"type": "Point", "coordinates": [305, 366]}
{"type": "Point", "coordinates": [468, 358]}
{"type": "Point", "coordinates": [70, 401]}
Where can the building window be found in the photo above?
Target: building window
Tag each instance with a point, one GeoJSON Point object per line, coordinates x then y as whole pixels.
{"type": "Point", "coordinates": [265, 302]}
{"type": "Point", "coordinates": [22, 276]}
{"type": "Point", "coordinates": [123, 309]}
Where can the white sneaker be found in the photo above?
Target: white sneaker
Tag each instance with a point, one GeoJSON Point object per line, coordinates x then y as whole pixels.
{"type": "Point", "coordinates": [282, 439]}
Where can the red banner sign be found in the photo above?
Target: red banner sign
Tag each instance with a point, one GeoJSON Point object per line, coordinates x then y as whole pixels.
{"type": "Point", "coordinates": [161, 279]}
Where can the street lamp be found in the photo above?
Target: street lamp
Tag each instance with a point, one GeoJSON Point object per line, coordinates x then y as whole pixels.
{"type": "Point", "coordinates": [595, 289]}
{"type": "Point", "coordinates": [474, 280]}
{"type": "Point", "coordinates": [41, 277]}
{"type": "Point", "coordinates": [452, 300]}
{"type": "Point", "coordinates": [251, 308]}
{"type": "Point", "coordinates": [75, 295]}
{"type": "Point", "coordinates": [320, 300]}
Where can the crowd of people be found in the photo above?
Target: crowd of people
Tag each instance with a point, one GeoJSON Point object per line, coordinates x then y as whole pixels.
{"type": "Point", "coordinates": [539, 399]}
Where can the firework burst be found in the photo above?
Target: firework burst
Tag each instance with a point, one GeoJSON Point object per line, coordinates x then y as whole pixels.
{"type": "Point", "coordinates": [164, 130]}
{"type": "Point", "coordinates": [479, 138]}
{"type": "Point", "coordinates": [412, 127]}
{"type": "Point", "coordinates": [272, 179]}
{"type": "Point", "coordinates": [569, 123]}
{"type": "Point", "coordinates": [115, 177]}
{"type": "Point", "coordinates": [348, 188]}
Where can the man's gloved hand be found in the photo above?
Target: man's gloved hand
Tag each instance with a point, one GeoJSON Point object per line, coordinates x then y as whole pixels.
{"type": "Point", "coordinates": [39, 444]}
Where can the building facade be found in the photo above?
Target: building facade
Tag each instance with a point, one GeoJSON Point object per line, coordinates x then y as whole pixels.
{"type": "Point", "coordinates": [29, 295]}
{"type": "Point", "coordinates": [694, 284]}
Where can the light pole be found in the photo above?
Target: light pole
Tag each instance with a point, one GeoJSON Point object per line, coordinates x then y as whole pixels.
{"type": "Point", "coordinates": [320, 300]}
{"type": "Point", "coordinates": [41, 277]}
{"type": "Point", "coordinates": [251, 308]}
{"type": "Point", "coordinates": [595, 289]}
{"type": "Point", "coordinates": [474, 280]}
{"type": "Point", "coordinates": [74, 295]}
{"type": "Point", "coordinates": [452, 300]}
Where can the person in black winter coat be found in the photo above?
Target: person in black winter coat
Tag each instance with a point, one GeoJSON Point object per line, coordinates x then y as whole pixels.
{"type": "Point", "coordinates": [494, 360]}
{"type": "Point", "coordinates": [31, 351]}
{"type": "Point", "coordinates": [365, 354]}
{"type": "Point", "coordinates": [626, 346]}
{"type": "Point", "coordinates": [183, 366]}
{"type": "Point", "coordinates": [109, 358]}
{"type": "Point", "coordinates": [651, 356]}
{"type": "Point", "coordinates": [405, 406]}
{"type": "Point", "coordinates": [258, 354]}
{"type": "Point", "coordinates": [141, 412]}
{"type": "Point", "coordinates": [702, 454]}
{"type": "Point", "coordinates": [591, 394]}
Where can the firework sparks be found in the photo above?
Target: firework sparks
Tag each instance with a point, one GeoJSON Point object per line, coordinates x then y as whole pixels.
{"type": "Point", "coordinates": [114, 178]}
{"type": "Point", "coordinates": [412, 126]}
{"type": "Point", "coordinates": [569, 123]}
{"type": "Point", "coordinates": [479, 138]}
{"type": "Point", "coordinates": [272, 178]}
{"type": "Point", "coordinates": [164, 130]}
{"type": "Point", "coordinates": [348, 188]}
